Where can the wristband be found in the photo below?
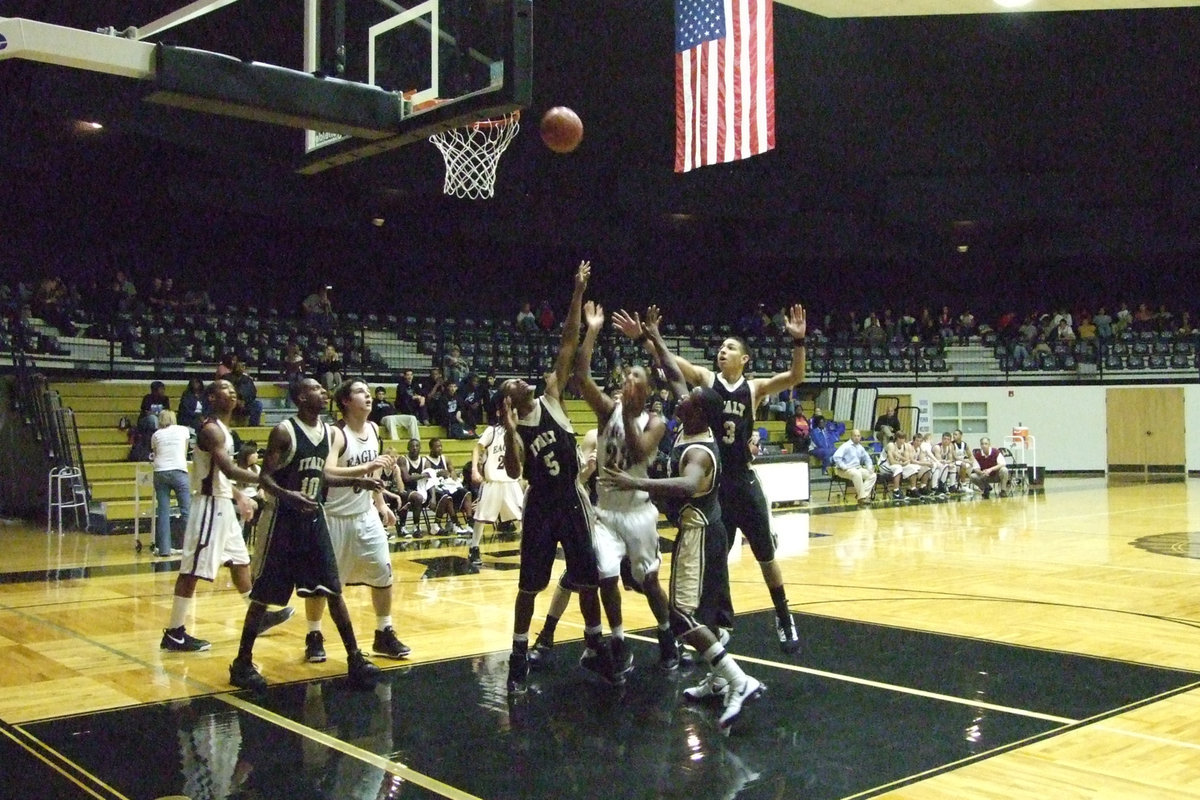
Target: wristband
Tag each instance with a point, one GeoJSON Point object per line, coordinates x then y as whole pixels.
{"type": "Point", "coordinates": [641, 339]}
{"type": "Point", "coordinates": [799, 342]}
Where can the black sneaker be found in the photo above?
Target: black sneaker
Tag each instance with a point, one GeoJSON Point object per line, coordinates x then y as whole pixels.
{"type": "Point", "coordinates": [668, 651]}
{"type": "Point", "coordinates": [273, 618]}
{"type": "Point", "coordinates": [181, 641]}
{"type": "Point", "coordinates": [387, 645]}
{"type": "Point", "coordinates": [474, 557]}
{"type": "Point", "coordinates": [542, 653]}
{"type": "Point", "coordinates": [243, 675]}
{"type": "Point", "coordinates": [518, 673]}
{"type": "Point", "coordinates": [622, 658]}
{"type": "Point", "coordinates": [789, 642]}
{"type": "Point", "coordinates": [362, 672]}
{"type": "Point", "coordinates": [600, 663]}
{"type": "Point", "coordinates": [314, 647]}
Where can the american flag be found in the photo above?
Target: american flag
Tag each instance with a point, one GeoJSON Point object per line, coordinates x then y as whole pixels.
{"type": "Point", "coordinates": [724, 81]}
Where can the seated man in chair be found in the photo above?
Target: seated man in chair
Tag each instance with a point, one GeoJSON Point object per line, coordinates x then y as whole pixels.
{"type": "Point", "coordinates": [989, 469]}
{"type": "Point", "coordinates": [852, 462]}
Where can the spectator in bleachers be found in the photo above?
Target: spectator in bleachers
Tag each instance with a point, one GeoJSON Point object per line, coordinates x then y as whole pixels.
{"type": "Point", "coordinates": [157, 298]}
{"type": "Point", "coordinates": [474, 401]}
{"type": "Point", "coordinates": [122, 293]}
{"type": "Point", "coordinates": [51, 302]}
{"type": "Point", "coordinates": [1063, 332]}
{"type": "Point", "coordinates": [526, 321]}
{"type": "Point", "coordinates": [853, 463]}
{"type": "Point", "coordinates": [430, 387]}
{"type": "Point", "coordinates": [989, 468]}
{"type": "Point", "coordinates": [1185, 327]}
{"type": "Point", "coordinates": [293, 363]}
{"type": "Point", "coordinates": [1124, 318]}
{"type": "Point", "coordinates": [1104, 324]}
{"type": "Point", "coordinates": [318, 308]}
{"type": "Point", "coordinates": [409, 399]}
{"type": "Point", "coordinates": [388, 417]}
{"type": "Point", "coordinates": [169, 452]}
{"type": "Point", "coordinates": [1087, 329]}
{"type": "Point", "coordinates": [545, 316]}
{"type": "Point", "coordinates": [1164, 320]}
{"type": "Point", "coordinates": [249, 406]}
{"type": "Point", "coordinates": [193, 404]}
{"type": "Point", "coordinates": [966, 326]}
{"type": "Point", "coordinates": [329, 368]}
{"type": "Point", "coordinates": [1143, 318]}
{"type": "Point", "coordinates": [156, 400]}
{"type": "Point", "coordinates": [445, 410]}
{"type": "Point", "coordinates": [927, 328]}
{"type": "Point", "coordinates": [874, 333]}
{"type": "Point", "coordinates": [454, 366]}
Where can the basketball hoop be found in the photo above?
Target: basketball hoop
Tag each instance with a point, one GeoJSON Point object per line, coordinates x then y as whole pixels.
{"type": "Point", "coordinates": [473, 153]}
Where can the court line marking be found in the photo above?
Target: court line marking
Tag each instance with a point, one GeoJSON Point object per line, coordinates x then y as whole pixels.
{"type": "Point", "coordinates": [890, 687]}
{"type": "Point", "coordinates": [38, 754]}
{"type": "Point", "coordinates": [391, 767]}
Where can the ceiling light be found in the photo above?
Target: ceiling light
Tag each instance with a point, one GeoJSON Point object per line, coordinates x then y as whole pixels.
{"type": "Point", "coordinates": [1012, 3]}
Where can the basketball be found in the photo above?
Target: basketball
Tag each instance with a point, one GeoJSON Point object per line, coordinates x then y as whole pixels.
{"type": "Point", "coordinates": [562, 130]}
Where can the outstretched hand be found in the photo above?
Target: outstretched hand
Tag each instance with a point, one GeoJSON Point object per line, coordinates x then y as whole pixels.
{"type": "Point", "coordinates": [651, 322]}
{"type": "Point", "coordinates": [582, 274]}
{"type": "Point", "coordinates": [593, 315]}
{"type": "Point", "coordinates": [796, 323]}
{"type": "Point", "coordinates": [616, 479]}
{"type": "Point", "coordinates": [628, 324]}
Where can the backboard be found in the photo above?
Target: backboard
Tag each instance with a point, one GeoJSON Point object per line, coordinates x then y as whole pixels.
{"type": "Point", "coordinates": [356, 77]}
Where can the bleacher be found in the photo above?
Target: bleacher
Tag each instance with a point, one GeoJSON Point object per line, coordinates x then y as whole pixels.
{"type": "Point", "coordinates": [100, 407]}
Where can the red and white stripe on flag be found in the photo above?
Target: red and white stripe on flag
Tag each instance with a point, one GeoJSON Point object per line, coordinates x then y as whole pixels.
{"type": "Point", "coordinates": [725, 90]}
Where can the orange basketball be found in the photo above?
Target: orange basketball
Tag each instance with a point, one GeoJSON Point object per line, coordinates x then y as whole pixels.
{"type": "Point", "coordinates": [562, 130]}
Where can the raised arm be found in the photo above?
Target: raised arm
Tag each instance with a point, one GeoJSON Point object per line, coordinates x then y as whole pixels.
{"type": "Point", "coordinates": [570, 333]}
{"type": "Point", "coordinates": [602, 404]}
{"type": "Point", "coordinates": [662, 354]}
{"type": "Point", "coordinates": [631, 326]}
{"type": "Point", "coordinates": [514, 448]}
{"type": "Point", "coordinates": [796, 325]}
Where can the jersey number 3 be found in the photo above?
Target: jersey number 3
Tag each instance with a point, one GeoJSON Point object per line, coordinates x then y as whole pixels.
{"type": "Point", "coordinates": [730, 432]}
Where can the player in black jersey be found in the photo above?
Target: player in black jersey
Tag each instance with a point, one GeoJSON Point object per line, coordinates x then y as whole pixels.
{"type": "Point", "coordinates": [698, 563]}
{"type": "Point", "coordinates": [296, 551]}
{"type": "Point", "coordinates": [539, 437]}
{"type": "Point", "coordinates": [743, 504]}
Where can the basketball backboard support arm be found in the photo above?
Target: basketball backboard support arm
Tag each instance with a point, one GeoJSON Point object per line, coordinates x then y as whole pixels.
{"type": "Point", "coordinates": [70, 47]}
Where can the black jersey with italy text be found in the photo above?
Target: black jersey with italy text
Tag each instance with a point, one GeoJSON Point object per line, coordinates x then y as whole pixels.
{"type": "Point", "coordinates": [706, 505]}
{"type": "Point", "coordinates": [551, 454]}
{"type": "Point", "coordinates": [737, 421]}
{"type": "Point", "coordinates": [304, 472]}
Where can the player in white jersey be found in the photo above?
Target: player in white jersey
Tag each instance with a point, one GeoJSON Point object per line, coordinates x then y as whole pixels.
{"type": "Point", "coordinates": [626, 520]}
{"type": "Point", "coordinates": [499, 494]}
{"type": "Point", "coordinates": [357, 524]}
{"type": "Point", "coordinates": [214, 529]}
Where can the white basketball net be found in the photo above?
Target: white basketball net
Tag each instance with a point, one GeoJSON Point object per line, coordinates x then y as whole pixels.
{"type": "Point", "coordinates": [473, 153]}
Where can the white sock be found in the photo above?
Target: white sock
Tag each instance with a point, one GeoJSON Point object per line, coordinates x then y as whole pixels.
{"type": "Point", "coordinates": [383, 623]}
{"type": "Point", "coordinates": [246, 596]}
{"type": "Point", "coordinates": [314, 625]}
{"type": "Point", "coordinates": [180, 609]}
{"type": "Point", "coordinates": [477, 534]}
{"type": "Point", "coordinates": [618, 632]}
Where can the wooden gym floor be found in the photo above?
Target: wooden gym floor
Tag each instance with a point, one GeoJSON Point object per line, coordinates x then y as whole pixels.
{"type": "Point", "coordinates": [1028, 647]}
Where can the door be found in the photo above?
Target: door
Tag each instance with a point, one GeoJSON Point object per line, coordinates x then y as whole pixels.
{"type": "Point", "coordinates": [1145, 430]}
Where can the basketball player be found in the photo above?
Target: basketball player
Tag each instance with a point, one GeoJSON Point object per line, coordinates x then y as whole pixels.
{"type": "Point", "coordinates": [452, 497]}
{"type": "Point", "coordinates": [500, 494]}
{"type": "Point", "coordinates": [357, 525]}
{"type": "Point", "coordinates": [693, 488]}
{"type": "Point", "coordinates": [297, 553]}
{"type": "Point", "coordinates": [743, 504]}
{"type": "Point", "coordinates": [626, 520]}
{"type": "Point", "coordinates": [415, 485]}
{"type": "Point", "coordinates": [214, 529]}
{"type": "Point", "coordinates": [539, 437]}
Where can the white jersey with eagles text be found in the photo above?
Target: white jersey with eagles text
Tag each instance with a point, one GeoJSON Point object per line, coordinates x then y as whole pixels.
{"type": "Point", "coordinates": [207, 479]}
{"type": "Point", "coordinates": [491, 463]}
{"type": "Point", "coordinates": [360, 448]}
{"type": "Point", "coordinates": [613, 453]}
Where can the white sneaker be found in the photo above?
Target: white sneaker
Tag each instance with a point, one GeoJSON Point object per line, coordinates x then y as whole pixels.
{"type": "Point", "coordinates": [712, 686]}
{"type": "Point", "coordinates": [736, 697]}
